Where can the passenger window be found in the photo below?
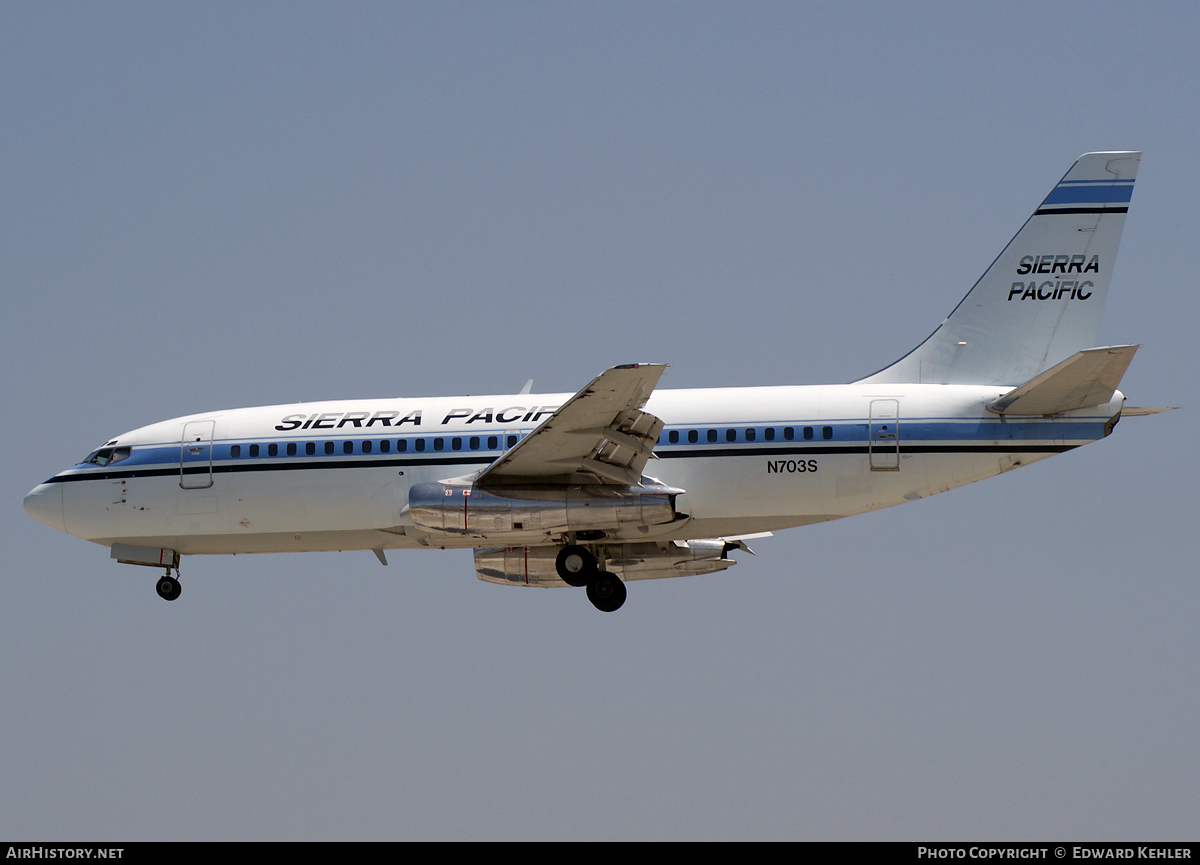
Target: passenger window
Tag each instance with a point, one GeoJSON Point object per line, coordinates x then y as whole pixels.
{"type": "Point", "coordinates": [291, 449]}
{"type": "Point", "coordinates": [826, 432]}
{"type": "Point", "coordinates": [420, 444]}
{"type": "Point", "coordinates": [474, 443]}
{"type": "Point", "coordinates": [385, 447]}
{"type": "Point", "coordinates": [493, 443]}
{"type": "Point", "coordinates": [310, 448]}
{"type": "Point", "coordinates": [401, 445]}
{"type": "Point", "coordinates": [272, 450]}
{"type": "Point", "coordinates": [456, 444]}
{"type": "Point", "coordinates": [693, 436]}
{"type": "Point", "coordinates": [512, 440]}
{"type": "Point", "coordinates": [253, 450]}
{"type": "Point", "coordinates": [730, 435]}
{"type": "Point", "coordinates": [673, 436]}
{"type": "Point", "coordinates": [712, 435]}
{"type": "Point", "coordinates": [789, 433]}
{"type": "Point", "coordinates": [438, 444]}
{"type": "Point", "coordinates": [807, 433]}
{"type": "Point", "coordinates": [749, 435]}
{"type": "Point", "coordinates": [769, 433]}
{"type": "Point", "coordinates": [366, 447]}
{"type": "Point", "coordinates": [235, 451]}
{"type": "Point", "coordinates": [347, 447]}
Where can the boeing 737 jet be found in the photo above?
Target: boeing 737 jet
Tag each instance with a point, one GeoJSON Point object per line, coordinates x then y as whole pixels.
{"type": "Point", "coordinates": [623, 481]}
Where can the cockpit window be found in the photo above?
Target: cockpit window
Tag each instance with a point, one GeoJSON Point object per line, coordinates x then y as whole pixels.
{"type": "Point", "coordinates": [107, 456]}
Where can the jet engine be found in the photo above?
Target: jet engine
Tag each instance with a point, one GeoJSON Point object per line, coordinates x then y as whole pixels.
{"type": "Point", "coordinates": [534, 566]}
{"type": "Point", "coordinates": [535, 512]}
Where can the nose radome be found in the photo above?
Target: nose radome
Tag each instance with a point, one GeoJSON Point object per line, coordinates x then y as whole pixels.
{"type": "Point", "coordinates": [45, 504]}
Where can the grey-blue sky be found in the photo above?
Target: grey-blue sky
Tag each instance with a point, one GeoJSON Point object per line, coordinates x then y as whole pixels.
{"type": "Point", "coordinates": [228, 205]}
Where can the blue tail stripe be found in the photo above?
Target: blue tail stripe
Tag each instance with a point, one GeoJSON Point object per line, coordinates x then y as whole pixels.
{"type": "Point", "coordinates": [1106, 194]}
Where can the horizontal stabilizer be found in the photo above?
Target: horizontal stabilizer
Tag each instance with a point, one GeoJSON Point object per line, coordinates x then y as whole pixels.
{"type": "Point", "coordinates": [1086, 378]}
{"type": "Point", "coordinates": [1143, 410]}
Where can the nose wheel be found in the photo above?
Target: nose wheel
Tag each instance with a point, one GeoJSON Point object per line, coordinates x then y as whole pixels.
{"type": "Point", "coordinates": [168, 587]}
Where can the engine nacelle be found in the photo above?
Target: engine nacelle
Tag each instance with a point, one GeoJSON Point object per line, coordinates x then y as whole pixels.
{"type": "Point", "coordinates": [534, 566]}
{"type": "Point", "coordinates": [448, 510]}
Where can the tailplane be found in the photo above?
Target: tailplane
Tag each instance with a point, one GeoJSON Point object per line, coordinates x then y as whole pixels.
{"type": "Point", "coordinates": [1041, 300]}
{"type": "Point", "coordinates": [1087, 378]}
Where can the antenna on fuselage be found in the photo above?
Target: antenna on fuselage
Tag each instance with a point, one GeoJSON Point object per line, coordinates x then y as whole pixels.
{"type": "Point", "coordinates": [528, 387]}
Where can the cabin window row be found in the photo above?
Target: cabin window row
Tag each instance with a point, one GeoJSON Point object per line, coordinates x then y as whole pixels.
{"type": "Point", "coordinates": [368, 446]}
{"type": "Point", "coordinates": [750, 434]}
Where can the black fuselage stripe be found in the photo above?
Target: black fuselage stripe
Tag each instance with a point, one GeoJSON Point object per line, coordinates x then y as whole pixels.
{"type": "Point", "coordinates": [817, 450]}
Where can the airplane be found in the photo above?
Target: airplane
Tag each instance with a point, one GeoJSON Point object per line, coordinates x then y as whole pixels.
{"type": "Point", "coordinates": [623, 481]}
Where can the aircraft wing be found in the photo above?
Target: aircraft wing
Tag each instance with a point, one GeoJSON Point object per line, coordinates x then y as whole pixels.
{"type": "Point", "coordinates": [600, 435]}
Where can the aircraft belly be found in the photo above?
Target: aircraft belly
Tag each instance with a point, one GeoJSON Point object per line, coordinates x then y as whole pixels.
{"type": "Point", "coordinates": [141, 510]}
{"type": "Point", "coordinates": [311, 501]}
{"type": "Point", "coordinates": [752, 494]}
{"type": "Point", "coordinates": [269, 542]}
{"type": "Point", "coordinates": [738, 488]}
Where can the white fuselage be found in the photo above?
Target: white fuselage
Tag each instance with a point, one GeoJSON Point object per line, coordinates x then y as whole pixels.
{"type": "Point", "coordinates": [750, 460]}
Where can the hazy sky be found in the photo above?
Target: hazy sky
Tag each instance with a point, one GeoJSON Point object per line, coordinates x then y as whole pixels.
{"type": "Point", "coordinates": [219, 205]}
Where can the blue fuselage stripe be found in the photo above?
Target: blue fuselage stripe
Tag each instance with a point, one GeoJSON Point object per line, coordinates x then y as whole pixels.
{"type": "Point", "coordinates": [848, 436]}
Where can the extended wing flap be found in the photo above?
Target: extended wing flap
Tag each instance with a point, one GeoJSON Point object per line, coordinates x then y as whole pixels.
{"type": "Point", "coordinates": [1086, 378]}
{"type": "Point", "coordinates": [600, 433]}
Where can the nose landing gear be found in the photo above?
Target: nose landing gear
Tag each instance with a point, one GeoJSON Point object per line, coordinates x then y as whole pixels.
{"type": "Point", "coordinates": [168, 587]}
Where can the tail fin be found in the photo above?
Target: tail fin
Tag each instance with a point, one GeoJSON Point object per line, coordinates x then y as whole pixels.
{"type": "Point", "coordinates": [1041, 300]}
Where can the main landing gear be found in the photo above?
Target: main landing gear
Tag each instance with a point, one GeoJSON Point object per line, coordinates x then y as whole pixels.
{"type": "Point", "coordinates": [577, 567]}
{"type": "Point", "coordinates": [168, 587]}
{"type": "Point", "coordinates": [606, 592]}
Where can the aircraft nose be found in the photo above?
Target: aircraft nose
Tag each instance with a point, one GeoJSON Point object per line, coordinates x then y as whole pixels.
{"type": "Point", "coordinates": [45, 504]}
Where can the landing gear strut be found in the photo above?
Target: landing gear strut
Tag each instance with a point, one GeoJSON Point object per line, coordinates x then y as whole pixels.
{"type": "Point", "coordinates": [606, 591]}
{"type": "Point", "coordinates": [168, 587]}
{"type": "Point", "coordinates": [577, 566]}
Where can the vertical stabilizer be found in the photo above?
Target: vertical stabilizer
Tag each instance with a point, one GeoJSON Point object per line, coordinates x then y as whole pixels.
{"type": "Point", "coordinates": [1041, 300]}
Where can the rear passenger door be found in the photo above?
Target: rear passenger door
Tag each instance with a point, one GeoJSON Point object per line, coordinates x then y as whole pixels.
{"type": "Point", "coordinates": [883, 435]}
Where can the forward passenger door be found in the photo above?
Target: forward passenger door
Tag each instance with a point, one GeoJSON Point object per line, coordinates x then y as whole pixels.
{"type": "Point", "coordinates": [195, 455]}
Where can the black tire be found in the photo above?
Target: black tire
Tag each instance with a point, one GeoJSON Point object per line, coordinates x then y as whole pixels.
{"type": "Point", "coordinates": [169, 589]}
{"type": "Point", "coordinates": [575, 565]}
{"type": "Point", "coordinates": [606, 592]}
